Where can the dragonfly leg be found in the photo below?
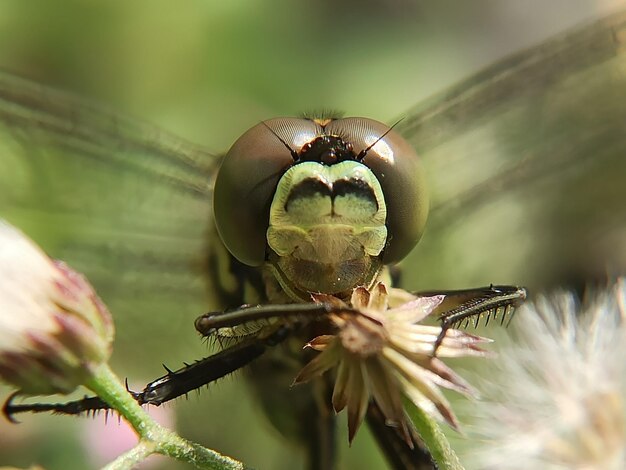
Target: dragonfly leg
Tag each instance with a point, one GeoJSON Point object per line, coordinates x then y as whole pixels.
{"type": "Point", "coordinates": [460, 307]}
{"type": "Point", "coordinates": [168, 387]}
{"type": "Point", "coordinates": [76, 407]}
{"type": "Point", "coordinates": [202, 372]}
{"type": "Point", "coordinates": [207, 370]}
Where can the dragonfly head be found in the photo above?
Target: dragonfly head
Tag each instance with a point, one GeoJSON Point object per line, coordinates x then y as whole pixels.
{"type": "Point", "coordinates": [325, 202]}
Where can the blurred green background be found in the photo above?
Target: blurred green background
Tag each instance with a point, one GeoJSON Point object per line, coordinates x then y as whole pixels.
{"type": "Point", "coordinates": [207, 71]}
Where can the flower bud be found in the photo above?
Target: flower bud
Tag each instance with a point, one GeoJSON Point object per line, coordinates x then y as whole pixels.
{"type": "Point", "coordinates": [54, 330]}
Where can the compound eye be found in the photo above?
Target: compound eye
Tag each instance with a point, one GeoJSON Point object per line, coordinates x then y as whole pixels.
{"type": "Point", "coordinates": [247, 179]}
{"type": "Point", "coordinates": [397, 167]}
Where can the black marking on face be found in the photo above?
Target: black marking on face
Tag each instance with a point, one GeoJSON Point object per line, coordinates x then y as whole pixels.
{"type": "Point", "coordinates": [312, 187]}
{"type": "Point", "coordinates": [307, 189]}
{"type": "Point", "coordinates": [355, 187]}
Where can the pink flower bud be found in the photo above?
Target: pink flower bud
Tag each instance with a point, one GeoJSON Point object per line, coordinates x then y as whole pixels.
{"type": "Point", "coordinates": [54, 330]}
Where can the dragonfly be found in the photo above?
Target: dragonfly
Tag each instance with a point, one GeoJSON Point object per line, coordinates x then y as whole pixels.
{"type": "Point", "coordinates": [532, 146]}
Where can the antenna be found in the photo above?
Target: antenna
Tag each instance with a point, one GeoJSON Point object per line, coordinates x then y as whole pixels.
{"type": "Point", "coordinates": [293, 153]}
{"type": "Point", "coordinates": [363, 152]}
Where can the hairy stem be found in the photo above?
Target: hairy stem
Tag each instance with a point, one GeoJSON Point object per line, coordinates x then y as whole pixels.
{"type": "Point", "coordinates": [435, 440]}
{"type": "Point", "coordinates": [153, 438]}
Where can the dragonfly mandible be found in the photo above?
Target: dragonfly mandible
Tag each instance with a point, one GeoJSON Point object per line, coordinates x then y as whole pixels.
{"type": "Point", "coordinates": [490, 116]}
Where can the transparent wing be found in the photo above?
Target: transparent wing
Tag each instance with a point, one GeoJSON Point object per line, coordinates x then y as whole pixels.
{"type": "Point", "coordinates": [117, 199]}
{"type": "Point", "coordinates": [527, 161]}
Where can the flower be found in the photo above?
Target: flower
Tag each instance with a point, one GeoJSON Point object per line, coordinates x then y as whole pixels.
{"type": "Point", "coordinates": [556, 398]}
{"type": "Point", "coordinates": [54, 330]}
{"type": "Point", "coordinates": [384, 353]}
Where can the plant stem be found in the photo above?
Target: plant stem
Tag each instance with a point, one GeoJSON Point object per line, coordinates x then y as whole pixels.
{"type": "Point", "coordinates": [134, 456]}
{"type": "Point", "coordinates": [435, 440]}
{"type": "Point", "coordinates": [153, 438]}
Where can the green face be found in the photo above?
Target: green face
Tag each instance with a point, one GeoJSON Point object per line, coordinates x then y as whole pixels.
{"type": "Point", "coordinates": [327, 227]}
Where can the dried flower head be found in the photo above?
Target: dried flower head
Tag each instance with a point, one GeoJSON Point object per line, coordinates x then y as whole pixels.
{"type": "Point", "coordinates": [384, 353]}
{"type": "Point", "coordinates": [53, 328]}
{"type": "Point", "coordinates": [556, 398]}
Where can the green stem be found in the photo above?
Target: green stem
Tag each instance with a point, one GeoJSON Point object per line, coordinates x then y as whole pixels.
{"type": "Point", "coordinates": [154, 438]}
{"type": "Point", "coordinates": [133, 457]}
{"type": "Point", "coordinates": [435, 440]}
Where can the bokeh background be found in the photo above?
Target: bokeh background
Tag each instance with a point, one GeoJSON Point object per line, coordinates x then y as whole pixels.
{"type": "Point", "coordinates": [207, 71]}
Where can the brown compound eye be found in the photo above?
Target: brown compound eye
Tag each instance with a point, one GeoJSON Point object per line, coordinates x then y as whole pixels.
{"type": "Point", "coordinates": [247, 180]}
{"type": "Point", "coordinates": [397, 167]}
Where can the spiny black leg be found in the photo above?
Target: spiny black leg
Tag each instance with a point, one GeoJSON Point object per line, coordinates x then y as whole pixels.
{"type": "Point", "coordinates": [213, 322]}
{"type": "Point", "coordinates": [85, 405]}
{"type": "Point", "coordinates": [168, 387]}
{"type": "Point", "coordinates": [470, 304]}
{"type": "Point", "coordinates": [207, 370]}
